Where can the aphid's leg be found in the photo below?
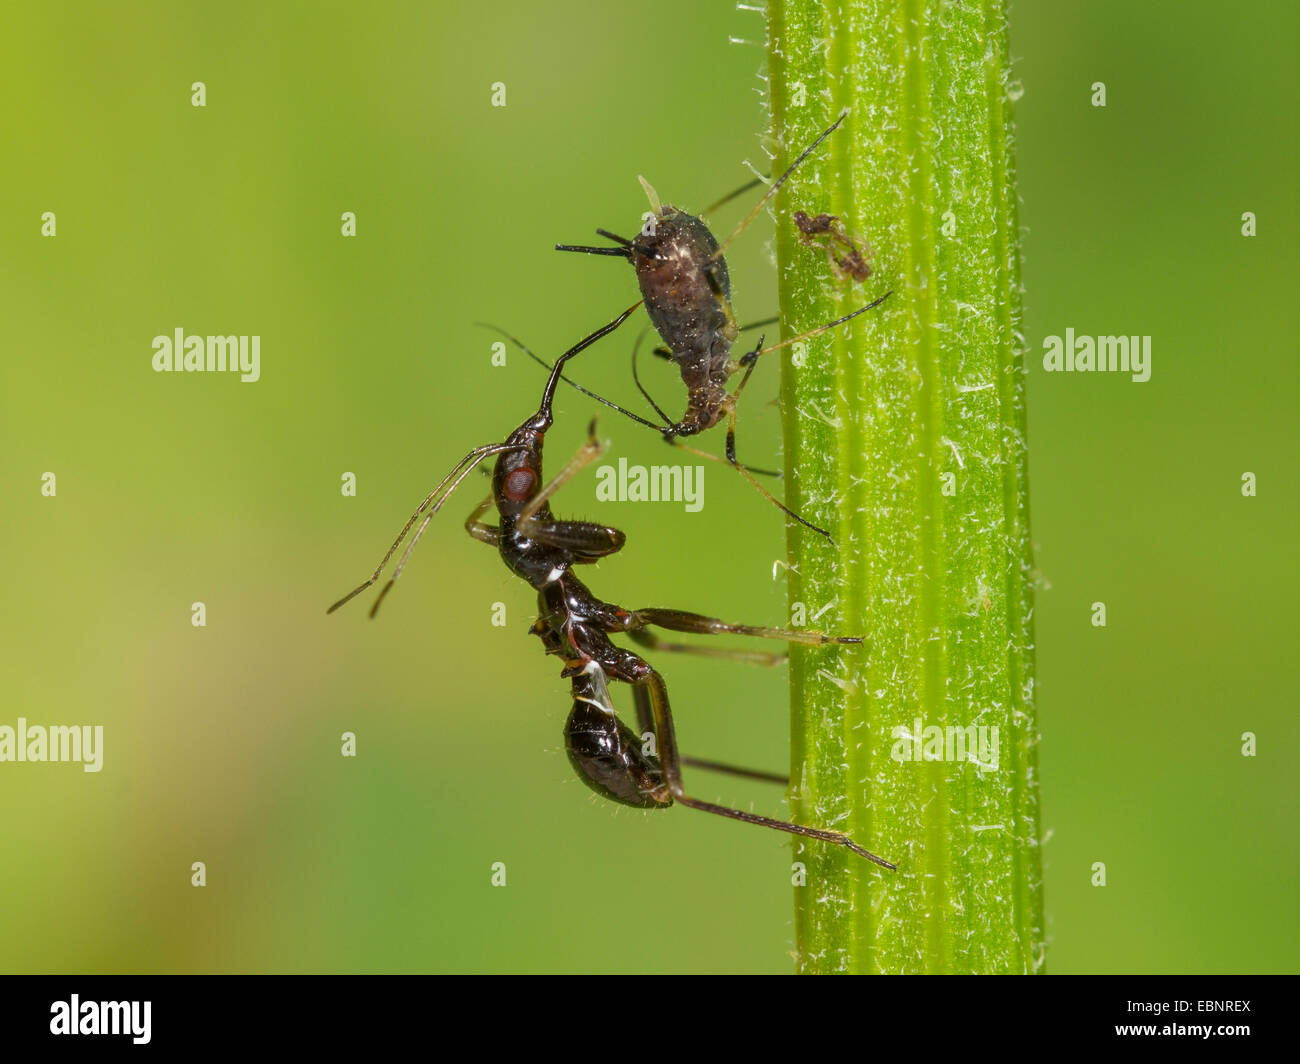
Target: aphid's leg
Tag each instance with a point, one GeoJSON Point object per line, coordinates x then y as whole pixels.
{"type": "Point", "coordinates": [697, 623]}
{"type": "Point", "coordinates": [641, 387]}
{"type": "Point", "coordinates": [664, 353]}
{"type": "Point", "coordinates": [760, 324]}
{"type": "Point", "coordinates": [774, 186]}
{"type": "Point", "coordinates": [587, 453]}
{"type": "Point", "coordinates": [749, 361]}
{"type": "Point", "coordinates": [745, 471]}
{"type": "Point", "coordinates": [774, 500]}
{"type": "Point", "coordinates": [748, 474]}
{"type": "Point", "coordinates": [441, 493]}
{"type": "Point", "coordinates": [484, 533]}
{"type": "Point", "coordinates": [751, 657]}
{"type": "Point", "coordinates": [814, 332]}
{"type": "Point", "coordinates": [731, 329]}
{"type": "Point", "coordinates": [723, 461]}
{"type": "Point", "coordinates": [670, 762]}
{"type": "Point", "coordinates": [645, 723]}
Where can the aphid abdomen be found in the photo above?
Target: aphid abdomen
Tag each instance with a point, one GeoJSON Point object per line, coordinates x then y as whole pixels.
{"type": "Point", "coordinates": [687, 291]}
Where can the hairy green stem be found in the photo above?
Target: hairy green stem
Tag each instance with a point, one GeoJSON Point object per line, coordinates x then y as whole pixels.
{"type": "Point", "coordinates": [905, 437]}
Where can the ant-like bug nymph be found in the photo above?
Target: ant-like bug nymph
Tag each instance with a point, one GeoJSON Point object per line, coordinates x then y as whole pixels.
{"type": "Point", "coordinates": [576, 626]}
{"type": "Point", "coordinates": [687, 293]}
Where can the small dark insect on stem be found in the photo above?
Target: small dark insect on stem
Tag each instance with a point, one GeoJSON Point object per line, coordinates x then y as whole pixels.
{"type": "Point", "coordinates": [827, 232]}
{"type": "Point", "coordinates": [612, 759]}
{"type": "Point", "coordinates": [687, 292]}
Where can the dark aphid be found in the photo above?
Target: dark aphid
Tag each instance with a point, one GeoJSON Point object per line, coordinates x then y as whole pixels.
{"type": "Point", "coordinates": [827, 232]}
{"type": "Point", "coordinates": [576, 626]}
{"type": "Point", "coordinates": [687, 292]}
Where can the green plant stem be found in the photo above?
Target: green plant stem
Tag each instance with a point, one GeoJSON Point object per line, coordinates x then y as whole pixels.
{"type": "Point", "coordinates": [905, 436]}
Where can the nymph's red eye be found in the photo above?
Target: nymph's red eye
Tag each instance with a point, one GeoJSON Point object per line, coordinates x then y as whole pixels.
{"type": "Point", "coordinates": [519, 484]}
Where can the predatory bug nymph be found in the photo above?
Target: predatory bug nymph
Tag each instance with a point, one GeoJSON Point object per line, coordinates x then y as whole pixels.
{"type": "Point", "coordinates": [576, 626]}
{"type": "Point", "coordinates": [687, 292]}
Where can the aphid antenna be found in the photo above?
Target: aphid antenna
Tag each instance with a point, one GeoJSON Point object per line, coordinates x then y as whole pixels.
{"type": "Point", "coordinates": [625, 250]}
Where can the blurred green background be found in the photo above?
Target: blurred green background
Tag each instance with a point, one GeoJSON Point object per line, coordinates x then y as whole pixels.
{"type": "Point", "coordinates": [222, 743]}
